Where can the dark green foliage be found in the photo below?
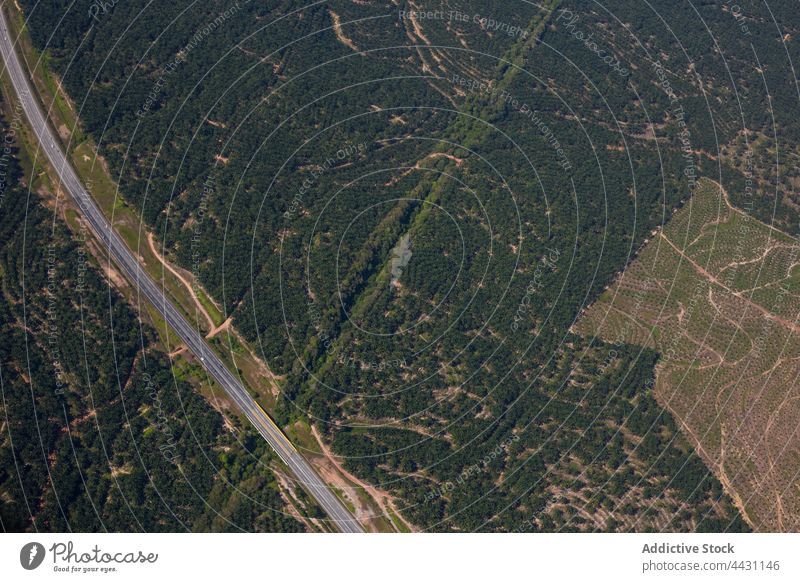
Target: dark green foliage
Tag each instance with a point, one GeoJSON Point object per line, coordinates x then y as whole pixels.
{"type": "Point", "coordinates": [455, 383]}
{"type": "Point", "coordinates": [97, 432]}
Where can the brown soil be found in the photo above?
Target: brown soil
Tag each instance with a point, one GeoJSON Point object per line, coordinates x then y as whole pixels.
{"type": "Point", "coordinates": [334, 472]}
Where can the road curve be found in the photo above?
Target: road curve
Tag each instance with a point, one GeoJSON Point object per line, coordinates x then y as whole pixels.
{"type": "Point", "coordinates": [131, 267]}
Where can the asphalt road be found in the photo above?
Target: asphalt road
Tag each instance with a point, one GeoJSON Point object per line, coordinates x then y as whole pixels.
{"type": "Point", "coordinates": [130, 266]}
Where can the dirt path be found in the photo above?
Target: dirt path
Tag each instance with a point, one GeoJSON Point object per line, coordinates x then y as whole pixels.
{"type": "Point", "coordinates": [181, 278]}
{"type": "Point", "coordinates": [763, 310]}
{"type": "Point", "coordinates": [340, 35]}
{"type": "Point", "coordinates": [745, 214]}
{"type": "Point", "coordinates": [711, 462]}
{"type": "Point", "coordinates": [382, 499]}
{"type": "Point", "coordinates": [222, 327]}
{"type": "Point", "coordinates": [418, 165]}
{"type": "Point", "coordinates": [177, 352]}
{"type": "Point", "coordinates": [759, 259]}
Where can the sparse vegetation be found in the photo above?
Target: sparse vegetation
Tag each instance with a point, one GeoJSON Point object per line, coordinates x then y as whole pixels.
{"type": "Point", "coordinates": [720, 289]}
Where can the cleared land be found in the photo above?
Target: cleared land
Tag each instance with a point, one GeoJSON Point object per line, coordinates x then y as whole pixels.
{"type": "Point", "coordinates": [717, 293]}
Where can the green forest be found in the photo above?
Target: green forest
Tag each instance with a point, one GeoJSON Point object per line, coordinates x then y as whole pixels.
{"type": "Point", "coordinates": [97, 432]}
{"type": "Point", "coordinates": [282, 151]}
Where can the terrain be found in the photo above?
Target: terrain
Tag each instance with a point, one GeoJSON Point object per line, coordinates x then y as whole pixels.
{"type": "Point", "coordinates": [715, 293]}
{"type": "Point", "coordinates": [100, 430]}
{"type": "Point", "coordinates": [403, 215]}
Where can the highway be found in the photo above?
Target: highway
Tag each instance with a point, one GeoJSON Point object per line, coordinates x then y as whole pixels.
{"type": "Point", "coordinates": [133, 270]}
